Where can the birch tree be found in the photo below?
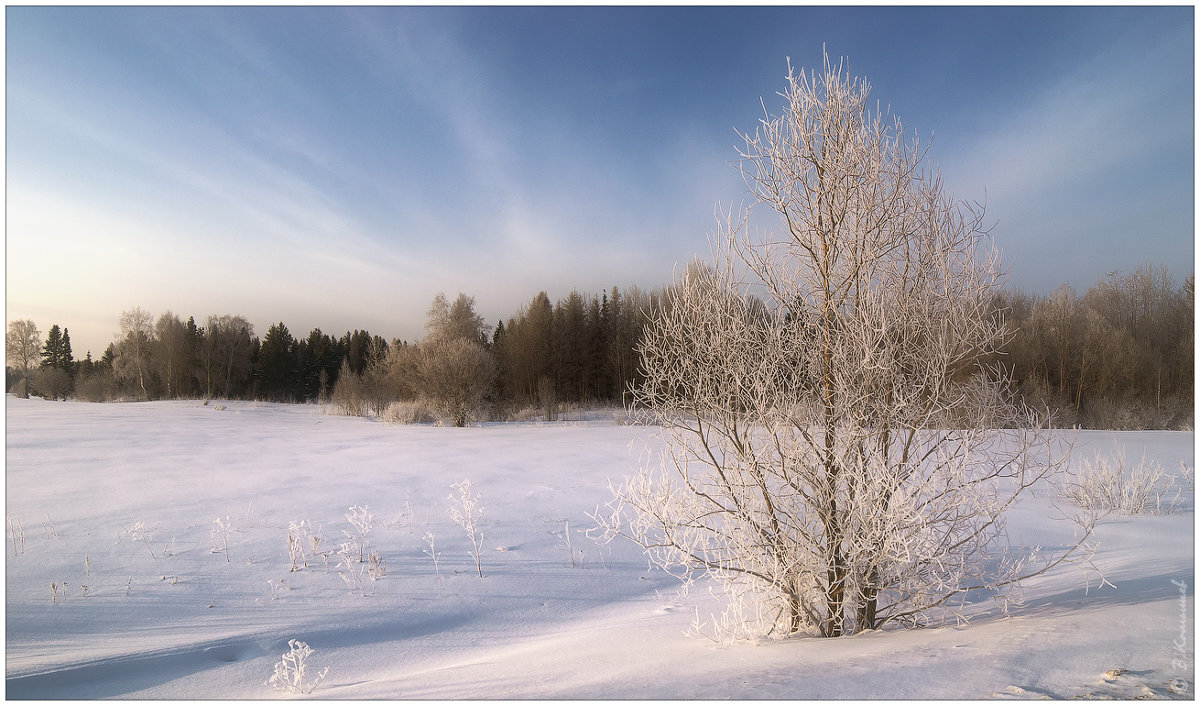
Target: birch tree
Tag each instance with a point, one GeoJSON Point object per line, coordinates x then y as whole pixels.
{"type": "Point", "coordinates": [452, 370]}
{"type": "Point", "coordinates": [837, 445]}
{"type": "Point", "coordinates": [22, 348]}
{"type": "Point", "coordinates": [135, 340]}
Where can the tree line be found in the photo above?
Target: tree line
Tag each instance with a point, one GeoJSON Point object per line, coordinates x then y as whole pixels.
{"type": "Point", "coordinates": [582, 348]}
{"type": "Point", "coordinates": [1118, 356]}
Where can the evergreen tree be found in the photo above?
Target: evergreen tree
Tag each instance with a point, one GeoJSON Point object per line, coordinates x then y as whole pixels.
{"type": "Point", "coordinates": [86, 367]}
{"type": "Point", "coordinates": [276, 364]}
{"type": "Point", "coordinates": [66, 361]}
{"type": "Point", "coordinates": [106, 360]}
{"type": "Point", "coordinates": [52, 351]}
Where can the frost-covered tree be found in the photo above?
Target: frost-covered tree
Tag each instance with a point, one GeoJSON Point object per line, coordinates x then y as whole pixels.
{"type": "Point", "coordinates": [226, 354]}
{"type": "Point", "coordinates": [451, 369]}
{"type": "Point", "coordinates": [453, 376]}
{"type": "Point", "coordinates": [135, 340]}
{"type": "Point", "coordinates": [838, 448]}
{"type": "Point", "coordinates": [448, 320]}
{"type": "Point", "coordinates": [349, 394]}
{"type": "Point", "coordinates": [172, 354]}
{"type": "Point", "coordinates": [22, 347]}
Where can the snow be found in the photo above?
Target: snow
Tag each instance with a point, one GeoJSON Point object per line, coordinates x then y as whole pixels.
{"type": "Point", "coordinates": [187, 623]}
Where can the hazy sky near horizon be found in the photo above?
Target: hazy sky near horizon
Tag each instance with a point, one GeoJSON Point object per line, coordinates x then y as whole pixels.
{"type": "Point", "coordinates": [338, 167]}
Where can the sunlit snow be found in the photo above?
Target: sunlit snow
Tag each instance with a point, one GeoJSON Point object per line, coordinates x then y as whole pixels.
{"type": "Point", "coordinates": [167, 614]}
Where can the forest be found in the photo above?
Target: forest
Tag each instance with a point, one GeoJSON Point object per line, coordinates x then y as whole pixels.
{"type": "Point", "coordinates": [1118, 356]}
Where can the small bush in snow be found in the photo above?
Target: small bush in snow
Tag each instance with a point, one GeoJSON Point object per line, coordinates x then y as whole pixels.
{"type": "Point", "coordinates": [300, 543]}
{"type": "Point", "coordinates": [565, 543]}
{"type": "Point", "coordinates": [377, 568]}
{"type": "Point", "coordinates": [291, 671]}
{"type": "Point", "coordinates": [356, 576]}
{"type": "Point", "coordinates": [466, 511]}
{"type": "Point", "coordinates": [276, 587]}
{"type": "Point", "coordinates": [410, 412]}
{"type": "Point", "coordinates": [219, 536]}
{"type": "Point", "coordinates": [433, 553]}
{"type": "Point", "coordinates": [349, 393]}
{"type": "Point", "coordinates": [16, 534]}
{"type": "Point", "coordinates": [138, 533]}
{"type": "Point", "coordinates": [1107, 484]}
{"type": "Point", "coordinates": [363, 521]}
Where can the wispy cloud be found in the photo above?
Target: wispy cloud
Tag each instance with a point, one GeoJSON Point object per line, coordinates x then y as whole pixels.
{"type": "Point", "coordinates": [1067, 175]}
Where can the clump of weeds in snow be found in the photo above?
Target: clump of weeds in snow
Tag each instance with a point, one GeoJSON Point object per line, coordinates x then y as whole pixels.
{"type": "Point", "coordinates": [48, 526]}
{"type": "Point", "coordinates": [356, 576]}
{"type": "Point", "coordinates": [138, 533]}
{"type": "Point", "coordinates": [300, 541]}
{"type": "Point", "coordinates": [433, 554]}
{"type": "Point", "coordinates": [16, 534]}
{"type": "Point", "coordinates": [291, 671]}
{"type": "Point", "coordinates": [377, 567]}
{"type": "Point", "coordinates": [405, 518]}
{"type": "Point", "coordinates": [466, 511]}
{"type": "Point", "coordinates": [1107, 484]}
{"type": "Point", "coordinates": [55, 588]}
{"type": "Point", "coordinates": [219, 535]}
{"type": "Point", "coordinates": [363, 521]}
{"type": "Point", "coordinates": [566, 544]}
{"type": "Point", "coordinates": [277, 587]}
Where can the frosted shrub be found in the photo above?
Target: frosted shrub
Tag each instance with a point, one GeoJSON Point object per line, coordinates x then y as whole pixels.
{"type": "Point", "coordinates": [409, 412]}
{"type": "Point", "coordinates": [138, 533]}
{"type": "Point", "coordinates": [376, 566]}
{"type": "Point", "coordinates": [219, 536]}
{"type": "Point", "coordinates": [291, 671]}
{"type": "Point", "coordinates": [433, 553]}
{"type": "Point", "coordinates": [349, 393]}
{"type": "Point", "coordinates": [356, 576]}
{"type": "Point", "coordinates": [300, 542]}
{"type": "Point", "coordinates": [466, 511]}
{"type": "Point", "coordinates": [363, 521]}
{"type": "Point", "coordinates": [1106, 484]}
{"type": "Point", "coordinates": [565, 543]}
{"type": "Point", "coordinates": [16, 534]}
{"type": "Point", "coordinates": [745, 615]}
{"type": "Point", "coordinates": [276, 587]}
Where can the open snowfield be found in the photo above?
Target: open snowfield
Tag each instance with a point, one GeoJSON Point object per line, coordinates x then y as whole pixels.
{"type": "Point", "coordinates": [165, 616]}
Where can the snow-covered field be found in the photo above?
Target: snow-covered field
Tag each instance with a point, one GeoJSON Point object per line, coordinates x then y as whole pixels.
{"type": "Point", "coordinates": [163, 615]}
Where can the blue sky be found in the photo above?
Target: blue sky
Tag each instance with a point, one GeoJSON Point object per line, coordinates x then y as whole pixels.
{"type": "Point", "coordinates": [338, 167]}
